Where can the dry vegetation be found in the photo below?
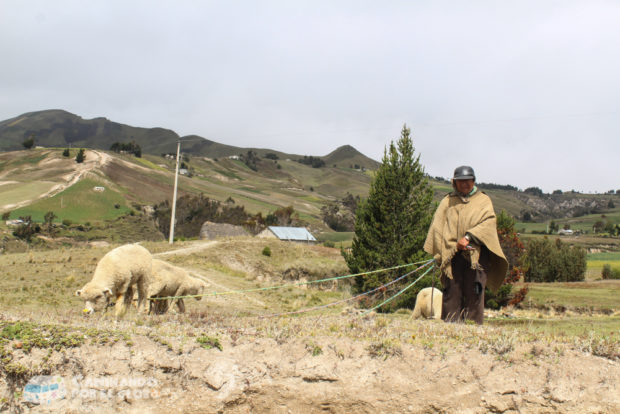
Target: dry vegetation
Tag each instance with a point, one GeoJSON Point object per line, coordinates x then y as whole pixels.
{"type": "Point", "coordinates": [222, 355]}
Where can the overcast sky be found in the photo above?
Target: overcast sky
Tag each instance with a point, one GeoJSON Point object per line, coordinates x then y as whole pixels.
{"type": "Point", "coordinates": [526, 92]}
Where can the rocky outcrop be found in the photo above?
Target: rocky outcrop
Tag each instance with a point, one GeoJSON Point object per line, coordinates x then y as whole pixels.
{"type": "Point", "coordinates": [560, 206]}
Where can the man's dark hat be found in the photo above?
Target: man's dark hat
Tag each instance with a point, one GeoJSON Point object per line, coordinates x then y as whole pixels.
{"type": "Point", "coordinates": [464, 172]}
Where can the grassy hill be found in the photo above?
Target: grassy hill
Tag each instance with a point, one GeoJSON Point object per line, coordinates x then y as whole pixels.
{"type": "Point", "coordinates": [25, 175]}
{"type": "Point", "coordinates": [58, 128]}
{"type": "Point", "coordinates": [130, 181]}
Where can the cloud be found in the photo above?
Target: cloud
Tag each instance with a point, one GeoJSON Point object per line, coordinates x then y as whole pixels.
{"type": "Point", "coordinates": [526, 92]}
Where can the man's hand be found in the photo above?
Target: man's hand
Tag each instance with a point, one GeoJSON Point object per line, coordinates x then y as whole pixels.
{"type": "Point", "coordinates": [462, 244]}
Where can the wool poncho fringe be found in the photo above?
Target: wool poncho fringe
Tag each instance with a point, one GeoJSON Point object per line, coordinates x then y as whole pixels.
{"type": "Point", "coordinates": [457, 216]}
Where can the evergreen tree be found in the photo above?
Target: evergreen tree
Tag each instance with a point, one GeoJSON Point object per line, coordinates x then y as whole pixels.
{"type": "Point", "coordinates": [80, 157]}
{"type": "Point", "coordinates": [29, 142]}
{"type": "Point", "coordinates": [391, 225]}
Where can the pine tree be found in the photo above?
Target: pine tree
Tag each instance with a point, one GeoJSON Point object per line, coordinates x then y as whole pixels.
{"type": "Point", "coordinates": [391, 225]}
{"type": "Point", "coordinates": [80, 157]}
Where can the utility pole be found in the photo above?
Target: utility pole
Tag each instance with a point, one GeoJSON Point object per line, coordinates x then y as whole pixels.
{"type": "Point", "coordinates": [174, 197]}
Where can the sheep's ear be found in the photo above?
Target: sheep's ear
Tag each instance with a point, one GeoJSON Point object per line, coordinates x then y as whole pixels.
{"type": "Point", "coordinates": [78, 292]}
{"type": "Point", "coordinates": [107, 292]}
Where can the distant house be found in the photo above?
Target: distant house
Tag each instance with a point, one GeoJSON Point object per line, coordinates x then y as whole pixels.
{"type": "Point", "coordinates": [233, 157]}
{"type": "Point", "coordinates": [565, 232]}
{"type": "Point", "coordinates": [15, 222]}
{"type": "Point", "coordinates": [183, 171]}
{"type": "Point", "coordinates": [99, 189]}
{"type": "Point", "coordinates": [296, 234]}
{"type": "Point", "coordinates": [212, 231]}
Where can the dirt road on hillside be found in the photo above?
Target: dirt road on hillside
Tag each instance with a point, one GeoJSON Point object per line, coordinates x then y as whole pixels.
{"type": "Point", "coordinates": [94, 159]}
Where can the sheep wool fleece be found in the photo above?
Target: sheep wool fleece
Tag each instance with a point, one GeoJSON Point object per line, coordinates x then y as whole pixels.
{"type": "Point", "coordinates": [458, 215]}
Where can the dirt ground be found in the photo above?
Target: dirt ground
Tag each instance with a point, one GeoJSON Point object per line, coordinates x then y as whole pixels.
{"type": "Point", "coordinates": [268, 369]}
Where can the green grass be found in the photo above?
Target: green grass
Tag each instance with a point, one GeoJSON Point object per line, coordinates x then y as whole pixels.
{"type": "Point", "coordinates": [574, 326]}
{"type": "Point", "coordinates": [251, 189]}
{"type": "Point", "coordinates": [79, 203]}
{"type": "Point", "coordinates": [595, 295]}
{"type": "Point", "coordinates": [596, 262]}
{"type": "Point", "coordinates": [583, 223]}
{"type": "Point", "coordinates": [228, 174]}
{"type": "Point", "coordinates": [529, 227]}
{"type": "Point", "coordinates": [17, 192]}
{"type": "Point", "coordinates": [146, 163]}
{"type": "Point", "coordinates": [337, 237]}
{"type": "Point", "coordinates": [604, 257]}
{"type": "Point", "coordinates": [34, 158]}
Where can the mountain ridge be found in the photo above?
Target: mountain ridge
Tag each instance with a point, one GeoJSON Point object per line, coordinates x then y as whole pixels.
{"type": "Point", "coordinates": [60, 128]}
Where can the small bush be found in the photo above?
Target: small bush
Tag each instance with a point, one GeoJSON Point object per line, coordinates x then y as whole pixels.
{"type": "Point", "coordinates": [610, 273]}
{"type": "Point", "coordinates": [209, 342]}
{"type": "Point", "coordinates": [80, 157]}
{"type": "Point", "coordinates": [267, 251]}
{"type": "Point", "coordinates": [67, 222]}
{"type": "Point", "coordinates": [329, 244]}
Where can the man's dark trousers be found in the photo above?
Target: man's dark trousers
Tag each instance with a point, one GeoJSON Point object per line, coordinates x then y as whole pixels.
{"type": "Point", "coordinates": [463, 296]}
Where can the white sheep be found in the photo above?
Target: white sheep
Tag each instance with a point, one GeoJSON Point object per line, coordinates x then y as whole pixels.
{"type": "Point", "coordinates": [115, 275]}
{"type": "Point", "coordinates": [423, 303]}
{"type": "Point", "coordinates": [170, 280]}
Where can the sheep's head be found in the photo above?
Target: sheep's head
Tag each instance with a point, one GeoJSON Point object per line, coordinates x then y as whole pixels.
{"type": "Point", "coordinates": [198, 288]}
{"type": "Point", "coordinates": [96, 298]}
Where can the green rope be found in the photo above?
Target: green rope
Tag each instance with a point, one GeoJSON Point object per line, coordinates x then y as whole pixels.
{"type": "Point", "coordinates": [262, 289]}
{"type": "Point", "coordinates": [403, 290]}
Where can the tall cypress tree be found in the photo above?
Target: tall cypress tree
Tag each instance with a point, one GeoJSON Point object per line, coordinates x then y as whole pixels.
{"type": "Point", "coordinates": [391, 225]}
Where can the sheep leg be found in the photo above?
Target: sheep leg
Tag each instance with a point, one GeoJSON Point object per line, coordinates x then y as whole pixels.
{"type": "Point", "coordinates": [121, 305]}
{"type": "Point", "coordinates": [142, 296]}
{"type": "Point", "coordinates": [181, 305]}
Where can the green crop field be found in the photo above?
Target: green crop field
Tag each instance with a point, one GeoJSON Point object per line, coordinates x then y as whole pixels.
{"type": "Point", "coordinates": [79, 203]}
{"type": "Point", "coordinates": [596, 261]}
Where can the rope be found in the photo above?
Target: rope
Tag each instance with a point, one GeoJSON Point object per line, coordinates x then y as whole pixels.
{"type": "Point", "coordinates": [394, 297]}
{"type": "Point", "coordinates": [354, 297]}
{"type": "Point", "coordinates": [262, 289]}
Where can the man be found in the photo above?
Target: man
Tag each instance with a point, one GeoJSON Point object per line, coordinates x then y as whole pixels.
{"type": "Point", "coordinates": [463, 239]}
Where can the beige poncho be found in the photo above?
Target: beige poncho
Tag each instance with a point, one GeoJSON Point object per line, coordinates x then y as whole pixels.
{"type": "Point", "coordinates": [458, 215]}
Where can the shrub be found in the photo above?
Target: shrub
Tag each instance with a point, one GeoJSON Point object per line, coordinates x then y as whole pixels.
{"type": "Point", "coordinates": [267, 251]}
{"type": "Point", "coordinates": [209, 342]}
{"type": "Point", "coordinates": [66, 153]}
{"type": "Point", "coordinates": [80, 157]}
{"type": "Point", "coordinates": [328, 243]}
{"type": "Point", "coordinates": [29, 142]}
{"type": "Point", "coordinates": [26, 230]}
{"type": "Point", "coordinates": [513, 250]}
{"type": "Point", "coordinates": [610, 273]}
{"type": "Point", "coordinates": [554, 262]}
{"type": "Point", "coordinates": [67, 222]}
{"type": "Point", "coordinates": [6, 215]}
{"type": "Point", "coordinates": [130, 148]}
